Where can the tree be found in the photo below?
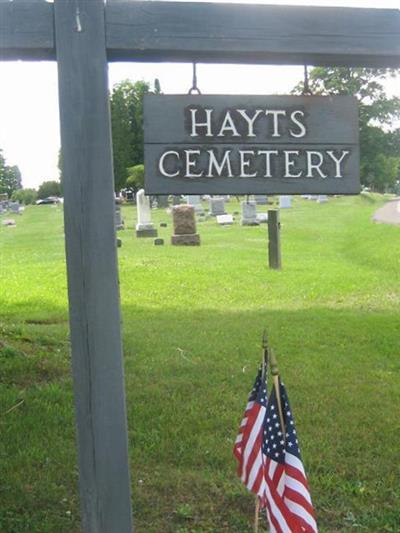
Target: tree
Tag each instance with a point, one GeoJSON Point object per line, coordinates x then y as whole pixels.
{"type": "Point", "coordinates": [126, 103]}
{"type": "Point", "coordinates": [25, 196]}
{"type": "Point", "coordinates": [10, 177]}
{"type": "Point", "coordinates": [49, 188]}
{"type": "Point", "coordinates": [380, 147]}
{"type": "Point", "coordinates": [135, 177]}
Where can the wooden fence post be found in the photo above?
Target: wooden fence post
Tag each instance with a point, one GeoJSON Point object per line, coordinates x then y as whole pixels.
{"type": "Point", "coordinates": [274, 240]}
{"type": "Point", "coordinates": [92, 266]}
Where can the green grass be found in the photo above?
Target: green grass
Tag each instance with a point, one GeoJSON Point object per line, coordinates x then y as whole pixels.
{"type": "Point", "coordinates": [193, 320]}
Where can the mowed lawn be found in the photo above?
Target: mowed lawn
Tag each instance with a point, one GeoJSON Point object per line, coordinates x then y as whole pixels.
{"type": "Point", "coordinates": [193, 320]}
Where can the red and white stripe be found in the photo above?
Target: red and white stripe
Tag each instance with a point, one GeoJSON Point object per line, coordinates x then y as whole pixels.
{"type": "Point", "coordinates": [248, 449]}
{"type": "Point", "coordinates": [288, 501]}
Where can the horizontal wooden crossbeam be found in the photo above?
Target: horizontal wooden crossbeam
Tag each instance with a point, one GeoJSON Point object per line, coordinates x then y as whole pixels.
{"type": "Point", "coordinates": [212, 32]}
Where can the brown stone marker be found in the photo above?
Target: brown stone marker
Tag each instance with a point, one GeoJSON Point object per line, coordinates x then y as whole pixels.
{"type": "Point", "coordinates": [184, 226]}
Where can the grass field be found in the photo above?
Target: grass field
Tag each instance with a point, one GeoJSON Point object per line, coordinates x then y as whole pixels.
{"type": "Point", "coordinates": [193, 320]}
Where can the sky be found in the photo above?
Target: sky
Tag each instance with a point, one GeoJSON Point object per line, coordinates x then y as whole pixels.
{"type": "Point", "coordinates": [29, 120]}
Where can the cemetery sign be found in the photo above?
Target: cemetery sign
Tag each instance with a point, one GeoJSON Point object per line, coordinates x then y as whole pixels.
{"type": "Point", "coordinates": [251, 144]}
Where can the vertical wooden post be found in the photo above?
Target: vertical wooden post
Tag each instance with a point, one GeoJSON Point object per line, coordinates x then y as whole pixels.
{"type": "Point", "coordinates": [274, 240]}
{"type": "Point", "coordinates": [92, 266]}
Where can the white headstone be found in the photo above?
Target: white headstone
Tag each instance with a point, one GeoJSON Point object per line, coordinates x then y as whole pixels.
{"type": "Point", "coordinates": [249, 214]}
{"type": "Point", "coordinates": [225, 220]}
{"type": "Point", "coordinates": [285, 202]}
{"type": "Point", "coordinates": [322, 198]}
{"type": "Point", "coordinates": [143, 212]}
{"type": "Point", "coordinates": [262, 218]}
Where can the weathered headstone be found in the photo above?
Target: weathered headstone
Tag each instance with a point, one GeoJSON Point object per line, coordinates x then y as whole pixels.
{"type": "Point", "coordinates": [285, 202]}
{"type": "Point", "coordinates": [184, 226]}
{"type": "Point", "coordinates": [144, 226]}
{"type": "Point", "coordinates": [225, 220]}
{"type": "Point", "coordinates": [249, 214]}
{"type": "Point", "coordinates": [217, 206]}
{"type": "Point", "coordinates": [195, 201]}
{"type": "Point", "coordinates": [119, 223]}
{"type": "Point", "coordinates": [261, 199]}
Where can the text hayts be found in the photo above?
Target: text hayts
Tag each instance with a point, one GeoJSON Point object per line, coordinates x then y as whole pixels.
{"type": "Point", "coordinates": [243, 144]}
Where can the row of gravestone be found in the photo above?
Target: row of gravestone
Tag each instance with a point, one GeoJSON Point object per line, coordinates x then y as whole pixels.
{"type": "Point", "coordinates": [249, 215]}
{"type": "Point", "coordinates": [9, 206]}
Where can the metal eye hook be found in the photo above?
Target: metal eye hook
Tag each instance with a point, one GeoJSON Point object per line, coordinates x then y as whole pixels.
{"type": "Point", "coordinates": [194, 87]}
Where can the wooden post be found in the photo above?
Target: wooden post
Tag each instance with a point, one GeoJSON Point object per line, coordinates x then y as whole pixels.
{"type": "Point", "coordinates": [274, 240]}
{"type": "Point", "coordinates": [92, 266]}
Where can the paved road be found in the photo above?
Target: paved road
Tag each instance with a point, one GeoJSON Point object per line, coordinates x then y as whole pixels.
{"type": "Point", "coordinates": [389, 213]}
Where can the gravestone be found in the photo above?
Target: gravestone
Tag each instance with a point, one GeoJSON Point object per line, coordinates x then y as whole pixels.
{"type": "Point", "coordinates": [144, 226]}
{"type": "Point", "coordinates": [217, 206]}
{"type": "Point", "coordinates": [162, 201]}
{"type": "Point", "coordinates": [119, 223]}
{"type": "Point", "coordinates": [9, 222]}
{"type": "Point", "coordinates": [14, 207]}
{"type": "Point", "coordinates": [262, 218]}
{"type": "Point", "coordinates": [249, 214]}
{"type": "Point", "coordinates": [261, 199]}
{"type": "Point", "coordinates": [225, 220]}
{"type": "Point", "coordinates": [184, 220]}
{"type": "Point", "coordinates": [195, 201]}
{"type": "Point", "coordinates": [322, 199]}
{"type": "Point", "coordinates": [285, 202]}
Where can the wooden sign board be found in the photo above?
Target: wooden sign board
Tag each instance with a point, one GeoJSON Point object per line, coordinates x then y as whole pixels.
{"type": "Point", "coordinates": [219, 144]}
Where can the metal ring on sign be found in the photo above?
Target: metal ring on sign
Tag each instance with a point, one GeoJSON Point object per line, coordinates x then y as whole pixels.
{"type": "Point", "coordinates": [194, 87]}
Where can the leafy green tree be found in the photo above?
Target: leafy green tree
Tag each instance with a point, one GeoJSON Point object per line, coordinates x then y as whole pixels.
{"type": "Point", "coordinates": [135, 177]}
{"type": "Point", "coordinates": [380, 147]}
{"type": "Point", "coordinates": [49, 188]}
{"type": "Point", "coordinates": [60, 169]}
{"type": "Point", "coordinates": [126, 103]}
{"type": "Point", "coordinates": [10, 177]}
{"type": "Point", "coordinates": [25, 196]}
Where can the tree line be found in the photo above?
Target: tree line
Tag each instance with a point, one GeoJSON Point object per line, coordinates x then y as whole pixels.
{"type": "Point", "coordinates": [379, 137]}
{"type": "Point", "coordinates": [378, 113]}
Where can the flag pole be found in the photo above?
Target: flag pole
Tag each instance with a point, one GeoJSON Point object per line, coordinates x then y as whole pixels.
{"type": "Point", "coordinates": [257, 513]}
{"type": "Point", "coordinates": [275, 377]}
{"type": "Point", "coordinates": [264, 369]}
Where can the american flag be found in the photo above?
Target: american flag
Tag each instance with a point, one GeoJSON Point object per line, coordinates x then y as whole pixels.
{"type": "Point", "coordinates": [270, 463]}
{"type": "Point", "coordinates": [248, 445]}
{"type": "Point", "coordinates": [288, 502]}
